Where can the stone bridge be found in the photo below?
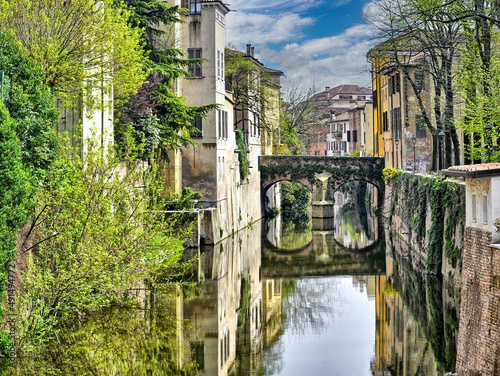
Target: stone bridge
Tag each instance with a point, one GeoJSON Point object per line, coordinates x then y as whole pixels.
{"type": "Point", "coordinates": [322, 175]}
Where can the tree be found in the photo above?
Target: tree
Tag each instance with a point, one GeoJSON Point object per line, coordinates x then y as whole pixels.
{"type": "Point", "coordinates": [100, 228]}
{"type": "Point", "coordinates": [29, 103]}
{"type": "Point", "coordinates": [73, 44]}
{"type": "Point", "coordinates": [415, 34]}
{"type": "Point", "coordinates": [479, 76]}
{"type": "Point", "coordinates": [246, 77]}
{"type": "Point", "coordinates": [299, 116]}
{"type": "Point", "coordinates": [17, 187]}
{"type": "Point", "coordinates": [156, 115]}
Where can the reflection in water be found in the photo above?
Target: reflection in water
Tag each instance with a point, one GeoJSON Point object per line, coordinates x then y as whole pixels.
{"type": "Point", "coordinates": [139, 340]}
{"type": "Point", "coordinates": [321, 309]}
{"type": "Point", "coordinates": [356, 225]}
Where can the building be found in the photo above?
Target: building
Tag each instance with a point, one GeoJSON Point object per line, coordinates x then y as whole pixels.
{"type": "Point", "coordinates": [213, 166]}
{"type": "Point", "coordinates": [400, 133]}
{"type": "Point", "coordinates": [321, 136]}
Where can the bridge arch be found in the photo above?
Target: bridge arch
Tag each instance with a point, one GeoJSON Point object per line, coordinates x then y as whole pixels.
{"type": "Point", "coordinates": [306, 169]}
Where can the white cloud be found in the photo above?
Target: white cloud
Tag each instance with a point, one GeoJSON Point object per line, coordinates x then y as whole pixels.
{"type": "Point", "coordinates": [261, 28]}
{"type": "Point", "coordinates": [332, 61]}
{"type": "Point", "coordinates": [329, 61]}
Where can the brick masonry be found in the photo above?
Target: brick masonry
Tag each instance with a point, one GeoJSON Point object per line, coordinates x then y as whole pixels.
{"type": "Point", "coordinates": [478, 350]}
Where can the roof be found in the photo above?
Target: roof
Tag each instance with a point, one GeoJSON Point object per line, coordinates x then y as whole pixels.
{"type": "Point", "coordinates": [342, 117]}
{"type": "Point", "coordinates": [477, 171]}
{"type": "Point", "coordinates": [341, 89]}
{"type": "Point", "coordinates": [273, 71]}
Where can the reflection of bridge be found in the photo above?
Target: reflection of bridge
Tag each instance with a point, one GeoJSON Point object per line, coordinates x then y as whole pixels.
{"type": "Point", "coordinates": [321, 175]}
{"type": "Point", "coordinates": [322, 256]}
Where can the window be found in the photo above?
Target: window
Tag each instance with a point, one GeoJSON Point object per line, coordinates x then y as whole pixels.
{"type": "Point", "coordinates": [218, 64]}
{"type": "Point", "coordinates": [421, 130]}
{"type": "Point", "coordinates": [222, 124]}
{"type": "Point", "coordinates": [197, 123]}
{"type": "Point", "coordinates": [198, 354]}
{"type": "Point", "coordinates": [375, 99]}
{"type": "Point", "coordinates": [195, 6]}
{"type": "Point", "coordinates": [396, 121]}
{"type": "Point", "coordinates": [385, 122]}
{"type": "Point", "coordinates": [348, 136]}
{"type": "Point", "coordinates": [394, 84]}
{"type": "Point", "coordinates": [194, 69]}
{"type": "Point", "coordinates": [354, 136]}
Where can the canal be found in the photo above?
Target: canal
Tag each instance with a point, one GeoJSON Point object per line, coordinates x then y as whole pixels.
{"type": "Point", "coordinates": [289, 296]}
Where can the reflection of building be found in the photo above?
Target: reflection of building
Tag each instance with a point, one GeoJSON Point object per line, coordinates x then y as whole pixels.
{"type": "Point", "coordinates": [231, 302]}
{"type": "Point", "coordinates": [272, 304]}
{"type": "Point", "coordinates": [400, 344]}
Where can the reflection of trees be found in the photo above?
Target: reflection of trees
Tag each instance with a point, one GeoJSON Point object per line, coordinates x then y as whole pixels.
{"type": "Point", "coordinates": [297, 221]}
{"type": "Point", "coordinates": [121, 341]}
{"type": "Point", "coordinates": [423, 295]}
{"type": "Point", "coordinates": [311, 308]}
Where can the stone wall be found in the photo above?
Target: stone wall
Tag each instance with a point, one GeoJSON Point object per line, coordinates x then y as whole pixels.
{"type": "Point", "coordinates": [478, 350]}
{"type": "Point", "coordinates": [426, 218]}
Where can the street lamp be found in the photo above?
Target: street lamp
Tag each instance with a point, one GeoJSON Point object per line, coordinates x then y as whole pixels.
{"type": "Point", "coordinates": [396, 141]}
{"type": "Point", "coordinates": [487, 133]}
{"type": "Point", "coordinates": [414, 142]}
{"type": "Point", "coordinates": [441, 143]}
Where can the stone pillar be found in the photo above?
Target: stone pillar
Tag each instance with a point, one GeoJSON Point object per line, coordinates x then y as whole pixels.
{"type": "Point", "coordinates": [321, 208]}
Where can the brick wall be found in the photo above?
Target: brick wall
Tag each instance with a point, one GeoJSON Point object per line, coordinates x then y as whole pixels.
{"type": "Point", "coordinates": [478, 350]}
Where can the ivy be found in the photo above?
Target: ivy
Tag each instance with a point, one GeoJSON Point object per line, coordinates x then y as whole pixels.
{"type": "Point", "coordinates": [242, 155]}
{"type": "Point", "coordinates": [308, 170]}
{"type": "Point", "coordinates": [447, 210]}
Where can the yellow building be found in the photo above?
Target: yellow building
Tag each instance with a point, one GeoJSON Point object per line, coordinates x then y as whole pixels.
{"type": "Point", "coordinates": [399, 131]}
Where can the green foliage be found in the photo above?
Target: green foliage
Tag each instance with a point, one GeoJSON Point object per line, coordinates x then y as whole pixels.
{"type": "Point", "coordinates": [294, 196]}
{"type": "Point", "coordinates": [478, 84]}
{"type": "Point", "coordinates": [447, 212]}
{"type": "Point", "coordinates": [73, 45]}
{"type": "Point", "coordinates": [355, 153]}
{"type": "Point", "coordinates": [101, 229]}
{"type": "Point", "coordinates": [184, 200]}
{"type": "Point", "coordinates": [17, 187]}
{"type": "Point", "coordinates": [389, 173]}
{"type": "Point", "coordinates": [242, 155]}
{"type": "Point", "coordinates": [288, 142]}
{"type": "Point", "coordinates": [29, 104]}
{"type": "Point", "coordinates": [274, 212]}
{"type": "Point", "coordinates": [138, 339]}
{"type": "Point", "coordinates": [158, 117]}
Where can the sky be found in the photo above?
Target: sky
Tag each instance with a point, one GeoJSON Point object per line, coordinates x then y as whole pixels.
{"type": "Point", "coordinates": [316, 43]}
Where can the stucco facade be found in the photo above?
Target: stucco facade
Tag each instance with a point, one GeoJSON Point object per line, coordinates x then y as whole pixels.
{"type": "Point", "coordinates": [211, 166]}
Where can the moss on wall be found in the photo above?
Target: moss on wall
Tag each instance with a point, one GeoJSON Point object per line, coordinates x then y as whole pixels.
{"type": "Point", "coordinates": [414, 199]}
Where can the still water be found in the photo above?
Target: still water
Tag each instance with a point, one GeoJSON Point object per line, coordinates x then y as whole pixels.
{"type": "Point", "coordinates": [291, 296]}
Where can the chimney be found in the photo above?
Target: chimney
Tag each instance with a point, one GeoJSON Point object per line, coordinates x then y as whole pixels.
{"type": "Point", "coordinates": [327, 90]}
{"type": "Point", "coordinates": [249, 48]}
{"type": "Point", "coordinates": [253, 50]}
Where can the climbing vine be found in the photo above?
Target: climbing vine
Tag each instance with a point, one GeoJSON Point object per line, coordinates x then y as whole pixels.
{"type": "Point", "coordinates": [446, 202]}
{"type": "Point", "coordinates": [242, 155]}
{"type": "Point", "coordinates": [308, 171]}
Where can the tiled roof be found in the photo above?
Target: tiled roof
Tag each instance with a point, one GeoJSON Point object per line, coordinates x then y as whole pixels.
{"type": "Point", "coordinates": [474, 171]}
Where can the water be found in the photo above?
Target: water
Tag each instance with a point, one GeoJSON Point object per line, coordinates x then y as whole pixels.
{"type": "Point", "coordinates": [292, 296]}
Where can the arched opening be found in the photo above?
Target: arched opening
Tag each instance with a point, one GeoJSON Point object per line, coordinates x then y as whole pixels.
{"type": "Point", "coordinates": [356, 214]}
{"type": "Point", "coordinates": [288, 225]}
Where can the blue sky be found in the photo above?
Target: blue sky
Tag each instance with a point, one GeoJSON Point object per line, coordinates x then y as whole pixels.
{"type": "Point", "coordinates": [314, 42]}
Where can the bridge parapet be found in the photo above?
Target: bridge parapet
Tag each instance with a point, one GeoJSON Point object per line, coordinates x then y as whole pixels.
{"type": "Point", "coordinates": [305, 169]}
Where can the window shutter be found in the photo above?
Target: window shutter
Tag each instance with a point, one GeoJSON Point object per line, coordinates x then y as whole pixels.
{"type": "Point", "coordinates": [185, 4]}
